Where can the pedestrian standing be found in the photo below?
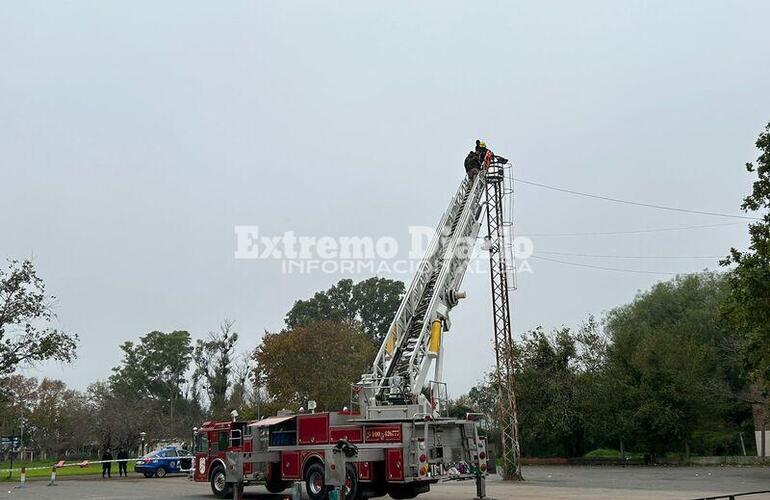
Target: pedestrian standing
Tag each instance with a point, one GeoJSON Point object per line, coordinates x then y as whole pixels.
{"type": "Point", "coordinates": [107, 463]}
{"type": "Point", "coordinates": [122, 462]}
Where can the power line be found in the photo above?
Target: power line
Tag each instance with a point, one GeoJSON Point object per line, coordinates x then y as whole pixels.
{"type": "Point", "coordinates": [638, 204]}
{"type": "Point", "coordinates": [663, 257]}
{"type": "Point", "coordinates": [602, 268]}
{"type": "Point", "coordinates": [639, 231]}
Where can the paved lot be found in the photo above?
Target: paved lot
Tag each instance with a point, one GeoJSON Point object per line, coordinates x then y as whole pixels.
{"type": "Point", "coordinates": [543, 482]}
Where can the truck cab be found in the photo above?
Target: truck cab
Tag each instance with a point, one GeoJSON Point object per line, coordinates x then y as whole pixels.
{"type": "Point", "coordinates": [212, 442]}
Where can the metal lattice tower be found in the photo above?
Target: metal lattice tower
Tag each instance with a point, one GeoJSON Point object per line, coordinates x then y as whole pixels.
{"type": "Point", "coordinates": [501, 313]}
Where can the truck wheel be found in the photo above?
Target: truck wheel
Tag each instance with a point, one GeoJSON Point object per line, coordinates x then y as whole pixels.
{"type": "Point", "coordinates": [276, 486]}
{"type": "Point", "coordinates": [219, 487]}
{"type": "Point", "coordinates": [160, 472]}
{"type": "Point", "coordinates": [274, 483]}
{"type": "Point", "coordinates": [314, 482]}
{"type": "Point", "coordinates": [352, 489]}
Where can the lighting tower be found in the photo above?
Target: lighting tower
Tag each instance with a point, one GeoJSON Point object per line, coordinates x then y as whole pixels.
{"type": "Point", "coordinates": [501, 316]}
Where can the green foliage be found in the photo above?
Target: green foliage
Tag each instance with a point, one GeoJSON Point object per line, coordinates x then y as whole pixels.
{"type": "Point", "coordinates": [149, 391]}
{"type": "Point", "coordinates": [461, 407]}
{"type": "Point", "coordinates": [483, 398]}
{"type": "Point", "coordinates": [656, 375]}
{"type": "Point", "coordinates": [666, 364]}
{"type": "Point", "coordinates": [611, 453]}
{"type": "Point", "coordinates": [334, 304]}
{"type": "Point", "coordinates": [155, 367]}
{"type": "Point", "coordinates": [549, 386]}
{"type": "Point", "coordinates": [25, 311]}
{"type": "Point", "coordinates": [372, 303]}
{"type": "Point", "coordinates": [748, 307]}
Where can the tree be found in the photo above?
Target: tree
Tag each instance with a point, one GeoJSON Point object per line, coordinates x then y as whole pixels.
{"type": "Point", "coordinates": [748, 306]}
{"type": "Point", "coordinates": [17, 399]}
{"type": "Point", "coordinates": [242, 394]}
{"type": "Point", "coordinates": [334, 304]}
{"type": "Point", "coordinates": [376, 301]}
{"type": "Point", "coordinates": [317, 362]}
{"type": "Point", "coordinates": [483, 398]}
{"type": "Point", "coordinates": [666, 363]}
{"type": "Point", "coordinates": [155, 367]}
{"type": "Point", "coordinates": [56, 420]}
{"type": "Point", "coordinates": [214, 365]}
{"type": "Point", "coordinates": [547, 382]}
{"type": "Point", "coordinates": [25, 310]}
{"type": "Point", "coordinates": [51, 413]}
{"type": "Point", "coordinates": [119, 418]}
{"type": "Point", "coordinates": [598, 391]}
{"type": "Point", "coordinates": [153, 377]}
{"type": "Point", "coordinates": [372, 302]}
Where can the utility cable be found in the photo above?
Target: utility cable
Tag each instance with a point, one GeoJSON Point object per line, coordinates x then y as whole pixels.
{"type": "Point", "coordinates": [602, 268]}
{"type": "Point", "coordinates": [640, 231]}
{"type": "Point", "coordinates": [663, 257]}
{"type": "Point", "coordinates": [627, 202]}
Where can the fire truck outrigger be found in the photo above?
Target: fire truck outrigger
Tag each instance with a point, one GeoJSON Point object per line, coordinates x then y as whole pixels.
{"type": "Point", "coordinates": [397, 424]}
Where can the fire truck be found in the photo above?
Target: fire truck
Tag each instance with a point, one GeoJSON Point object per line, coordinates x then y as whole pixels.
{"type": "Point", "coordinates": [397, 421]}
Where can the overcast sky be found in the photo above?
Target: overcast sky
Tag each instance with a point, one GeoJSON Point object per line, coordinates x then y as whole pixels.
{"type": "Point", "coordinates": [134, 136]}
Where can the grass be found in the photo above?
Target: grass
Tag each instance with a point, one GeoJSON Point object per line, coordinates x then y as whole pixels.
{"type": "Point", "coordinates": [46, 471]}
{"type": "Point", "coordinates": [611, 453]}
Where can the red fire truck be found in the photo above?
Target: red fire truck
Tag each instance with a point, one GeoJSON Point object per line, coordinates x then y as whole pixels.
{"type": "Point", "coordinates": [401, 458]}
{"type": "Point", "coordinates": [399, 427]}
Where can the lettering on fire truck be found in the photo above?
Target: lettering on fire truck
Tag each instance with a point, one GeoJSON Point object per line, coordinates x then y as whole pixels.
{"type": "Point", "coordinates": [383, 434]}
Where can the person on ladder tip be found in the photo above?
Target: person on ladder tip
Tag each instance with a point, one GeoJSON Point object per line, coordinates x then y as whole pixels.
{"type": "Point", "coordinates": [480, 158]}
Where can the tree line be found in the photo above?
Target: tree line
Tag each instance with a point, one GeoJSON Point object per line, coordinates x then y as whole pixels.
{"type": "Point", "coordinates": [663, 374]}
{"type": "Point", "coordinates": [167, 383]}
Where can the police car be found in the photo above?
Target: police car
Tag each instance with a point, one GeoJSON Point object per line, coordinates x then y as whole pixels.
{"type": "Point", "coordinates": [165, 461]}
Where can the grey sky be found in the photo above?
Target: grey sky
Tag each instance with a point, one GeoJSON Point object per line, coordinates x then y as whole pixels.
{"type": "Point", "coordinates": [135, 135]}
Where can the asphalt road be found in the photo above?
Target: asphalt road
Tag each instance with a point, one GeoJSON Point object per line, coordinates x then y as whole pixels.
{"type": "Point", "coordinates": [542, 482]}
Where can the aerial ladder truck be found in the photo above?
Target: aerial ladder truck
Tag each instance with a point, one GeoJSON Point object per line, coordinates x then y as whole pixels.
{"type": "Point", "coordinates": [397, 436]}
{"type": "Point", "coordinates": [413, 344]}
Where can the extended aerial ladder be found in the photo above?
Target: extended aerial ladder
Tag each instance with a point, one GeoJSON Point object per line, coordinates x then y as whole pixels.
{"type": "Point", "coordinates": [413, 342]}
{"type": "Point", "coordinates": [398, 386]}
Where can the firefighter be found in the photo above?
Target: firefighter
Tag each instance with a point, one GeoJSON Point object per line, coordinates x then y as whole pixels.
{"type": "Point", "coordinates": [107, 464]}
{"type": "Point", "coordinates": [472, 164]}
{"type": "Point", "coordinates": [476, 159]}
{"type": "Point", "coordinates": [481, 148]}
{"type": "Point", "coordinates": [485, 155]}
{"type": "Point", "coordinates": [122, 462]}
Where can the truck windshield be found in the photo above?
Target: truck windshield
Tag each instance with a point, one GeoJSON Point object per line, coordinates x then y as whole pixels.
{"type": "Point", "coordinates": [202, 443]}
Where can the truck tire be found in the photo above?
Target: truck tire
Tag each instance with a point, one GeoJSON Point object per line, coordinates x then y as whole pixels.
{"type": "Point", "coordinates": [314, 482]}
{"type": "Point", "coordinates": [354, 490]}
{"type": "Point", "coordinates": [276, 485]}
{"type": "Point", "coordinates": [219, 487]}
